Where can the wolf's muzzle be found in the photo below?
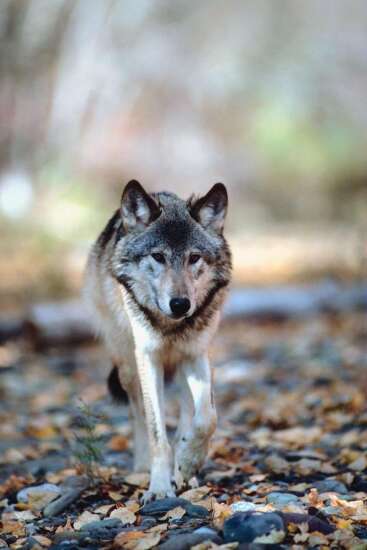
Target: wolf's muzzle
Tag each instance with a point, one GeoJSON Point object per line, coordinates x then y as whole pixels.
{"type": "Point", "coordinates": [179, 306]}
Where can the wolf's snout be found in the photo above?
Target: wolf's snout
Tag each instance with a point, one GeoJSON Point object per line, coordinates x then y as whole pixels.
{"type": "Point", "coordinates": [179, 306]}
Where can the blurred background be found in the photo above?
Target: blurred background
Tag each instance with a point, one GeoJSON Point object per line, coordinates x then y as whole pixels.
{"type": "Point", "coordinates": [267, 97]}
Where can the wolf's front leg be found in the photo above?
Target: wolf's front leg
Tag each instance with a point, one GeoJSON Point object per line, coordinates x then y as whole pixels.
{"type": "Point", "coordinates": [192, 446]}
{"type": "Point", "coordinates": [151, 379]}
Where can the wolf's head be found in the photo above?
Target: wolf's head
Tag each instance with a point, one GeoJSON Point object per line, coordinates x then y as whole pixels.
{"type": "Point", "coordinates": [171, 255]}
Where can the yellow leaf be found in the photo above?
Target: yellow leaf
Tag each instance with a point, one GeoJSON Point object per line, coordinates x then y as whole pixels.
{"type": "Point", "coordinates": [195, 495]}
{"type": "Point", "coordinates": [137, 540]}
{"type": "Point", "coordinates": [115, 496]}
{"type": "Point", "coordinates": [175, 513]}
{"type": "Point", "coordinates": [84, 518]}
{"type": "Point", "coordinates": [126, 516]}
{"type": "Point", "coordinates": [138, 479]}
{"type": "Point", "coordinates": [118, 443]}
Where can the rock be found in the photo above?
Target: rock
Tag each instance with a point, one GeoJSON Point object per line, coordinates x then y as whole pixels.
{"type": "Point", "coordinates": [265, 528]}
{"type": "Point", "coordinates": [39, 496]}
{"type": "Point", "coordinates": [40, 466]}
{"type": "Point", "coordinates": [72, 489]}
{"type": "Point", "coordinates": [164, 505]}
{"type": "Point", "coordinates": [99, 527]}
{"type": "Point", "coordinates": [243, 506]}
{"type": "Point", "coordinates": [281, 499]}
{"type": "Point", "coordinates": [314, 523]}
{"type": "Point", "coordinates": [148, 523]}
{"type": "Point", "coordinates": [330, 485]}
{"type": "Point", "coordinates": [185, 541]}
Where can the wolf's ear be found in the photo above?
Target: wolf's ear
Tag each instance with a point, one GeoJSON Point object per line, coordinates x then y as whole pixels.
{"type": "Point", "coordinates": [210, 210]}
{"type": "Point", "coordinates": [138, 209]}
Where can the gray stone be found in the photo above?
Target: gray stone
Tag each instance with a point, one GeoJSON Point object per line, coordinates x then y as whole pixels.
{"type": "Point", "coordinates": [97, 526]}
{"type": "Point", "coordinates": [266, 528]}
{"type": "Point", "coordinates": [330, 485]}
{"type": "Point", "coordinates": [185, 541]}
{"type": "Point", "coordinates": [72, 489]}
{"type": "Point", "coordinates": [164, 505]}
{"type": "Point", "coordinates": [281, 499]}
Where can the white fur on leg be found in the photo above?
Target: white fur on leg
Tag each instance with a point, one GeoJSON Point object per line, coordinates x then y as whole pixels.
{"type": "Point", "coordinates": [151, 379]}
{"type": "Point", "coordinates": [192, 447]}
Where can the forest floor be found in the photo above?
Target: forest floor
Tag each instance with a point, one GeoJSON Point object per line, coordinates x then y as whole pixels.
{"type": "Point", "coordinates": [287, 465]}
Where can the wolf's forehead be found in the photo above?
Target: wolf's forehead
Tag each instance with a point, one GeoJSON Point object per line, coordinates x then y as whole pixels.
{"type": "Point", "coordinates": [176, 234]}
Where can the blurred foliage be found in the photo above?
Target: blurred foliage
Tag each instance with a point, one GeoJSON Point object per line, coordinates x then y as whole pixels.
{"type": "Point", "coordinates": [267, 97]}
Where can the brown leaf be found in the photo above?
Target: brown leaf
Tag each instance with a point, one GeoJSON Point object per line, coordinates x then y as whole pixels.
{"type": "Point", "coordinates": [138, 479]}
{"type": "Point", "coordinates": [175, 513]}
{"type": "Point", "coordinates": [84, 518]}
{"type": "Point", "coordinates": [195, 495]}
{"type": "Point", "coordinates": [126, 516]}
{"type": "Point", "coordinates": [137, 540]}
{"type": "Point", "coordinates": [118, 443]}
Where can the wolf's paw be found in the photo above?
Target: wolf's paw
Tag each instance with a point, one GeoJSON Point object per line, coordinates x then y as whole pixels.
{"type": "Point", "coordinates": [188, 462]}
{"type": "Point", "coordinates": [150, 496]}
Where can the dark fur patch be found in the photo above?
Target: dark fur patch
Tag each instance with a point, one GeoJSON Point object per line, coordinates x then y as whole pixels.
{"type": "Point", "coordinates": [109, 230]}
{"type": "Point", "coordinates": [115, 388]}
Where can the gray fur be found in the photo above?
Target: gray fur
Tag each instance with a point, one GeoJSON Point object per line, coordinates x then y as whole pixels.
{"type": "Point", "coordinates": [155, 248]}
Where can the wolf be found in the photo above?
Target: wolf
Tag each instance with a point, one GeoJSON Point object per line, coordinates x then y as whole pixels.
{"type": "Point", "coordinates": [156, 279]}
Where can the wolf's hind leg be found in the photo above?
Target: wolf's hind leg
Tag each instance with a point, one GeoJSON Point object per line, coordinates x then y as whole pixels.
{"type": "Point", "coordinates": [192, 447]}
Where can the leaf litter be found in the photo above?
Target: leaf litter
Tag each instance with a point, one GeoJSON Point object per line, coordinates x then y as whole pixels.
{"type": "Point", "coordinates": [291, 441]}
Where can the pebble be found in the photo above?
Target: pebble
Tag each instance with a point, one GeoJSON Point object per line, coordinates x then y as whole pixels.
{"type": "Point", "coordinates": [266, 528]}
{"type": "Point", "coordinates": [330, 485]}
{"type": "Point", "coordinates": [281, 499]}
{"type": "Point", "coordinates": [72, 489]}
{"type": "Point", "coordinates": [185, 541]}
{"type": "Point", "coordinates": [94, 526]}
{"type": "Point", "coordinates": [243, 506]}
{"type": "Point", "coordinates": [164, 505]}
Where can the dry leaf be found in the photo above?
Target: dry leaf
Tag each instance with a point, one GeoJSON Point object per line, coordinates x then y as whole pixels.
{"type": "Point", "coordinates": [133, 506]}
{"type": "Point", "coordinates": [221, 512]}
{"type": "Point", "coordinates": [138, 479]}
{"type": "Point", "coordinates": [115, 496]}
{"type": "Point", "coordinates": [137, 540]}
{"type": "Point", "coordinates": [359, 463]}
{"type": "Point", "coordinates": [15, 528]}
{"type": "Point", "coordinates": [175, 513]}
{"type": "Point", "coordinates": [44, 541]}
{"type": "Point", "coordinates": [118, 443]}
{"type": "Point", "coordinates": [195, 495]}
{"type": "Point", "coordinates": [277, 464]}
{"type": "Point", "coordinates": [126, 516]}
{"type": "Point", "coordinates": [84, 518]}
{"type": "Point", "coordinates": [103, 510]}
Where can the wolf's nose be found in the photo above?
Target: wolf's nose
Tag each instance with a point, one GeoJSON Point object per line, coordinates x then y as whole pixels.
{"type": "Point", "coordinates": [179, 306]}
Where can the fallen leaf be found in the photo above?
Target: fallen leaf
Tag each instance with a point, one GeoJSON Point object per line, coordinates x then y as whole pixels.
{"type": "Point", "coordinates": [13, 527]}
{"type": "Point", "coordinates": [84, 518]}
{"type": "Point", "coordinates": [359, 464]}
{"type": "Point", "coordinates": [175, 513]}
{"type": "Point", "coordinates": [137, 540]}
{"type": "Point", "coordinates": [44, 541]}
{"type": "Point", "coordinates": [138, 479]}
{"type": "Point", "coordinates": [277, 464]}
{"type": "Point", "coordinates": [115, 496]}
{"type": "Point", "coordinates": [118, 443]}
{"type": "Point", "coordinates": [195, 495]}
{"type": "Point", "coordinates": [125, 515]}
{"type": "Point", "coordinates": [103, 510]}
{"type": "Point", "coordinates": [221, 512]}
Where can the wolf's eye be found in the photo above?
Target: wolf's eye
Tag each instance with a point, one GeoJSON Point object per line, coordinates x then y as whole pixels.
{"type": "Point", "coordinates": [194, 258]}
{"type": "Point", "coordinates": [159, 257]}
